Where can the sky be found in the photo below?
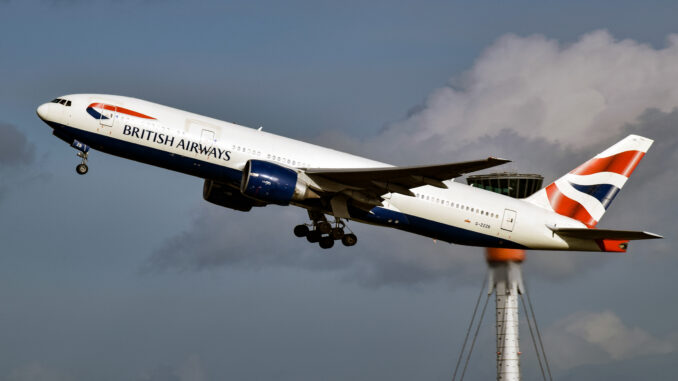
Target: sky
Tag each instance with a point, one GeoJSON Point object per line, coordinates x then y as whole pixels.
{"type": "Point", "coordinates": [127, 274]}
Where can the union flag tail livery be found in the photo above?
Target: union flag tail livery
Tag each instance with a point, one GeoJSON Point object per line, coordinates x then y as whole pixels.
{"type": "Point", "coordinates": [244, 168]}
{"type": "Point", "coordinates": [587, 191]}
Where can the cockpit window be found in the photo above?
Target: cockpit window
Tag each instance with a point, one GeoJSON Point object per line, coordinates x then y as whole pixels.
{"type": "Point", "coordinates": [62, 101]}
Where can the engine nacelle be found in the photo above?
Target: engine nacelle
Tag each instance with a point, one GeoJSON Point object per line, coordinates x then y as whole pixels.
{"type": "Point", "coordinates": [274, 184]}
{"type": "Point", "coordinates": [228, 197]}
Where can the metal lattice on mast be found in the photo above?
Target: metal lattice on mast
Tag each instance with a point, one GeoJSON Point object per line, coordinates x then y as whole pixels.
{"type": "Point", "coordinates": [505, 276]}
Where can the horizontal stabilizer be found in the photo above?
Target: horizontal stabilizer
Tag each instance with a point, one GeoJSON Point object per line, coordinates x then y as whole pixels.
{"type": "Point", "coordinates": [603, 234]}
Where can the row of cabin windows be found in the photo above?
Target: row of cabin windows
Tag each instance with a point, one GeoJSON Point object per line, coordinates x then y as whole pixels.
{"type": "Point", "coordinates": [456, 205]}
{"type": "Point", "coordinates": [61, 101]}
{"type": "Point", "coordinates": [287, 161]}
{"type": "Point", "coordinates": [279, 159]}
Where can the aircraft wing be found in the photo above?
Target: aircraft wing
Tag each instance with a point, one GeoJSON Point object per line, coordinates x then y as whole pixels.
{"type": "Point", "coordinates": [378, 181]}
{"type": "Point", "coordinates": [584, 233]}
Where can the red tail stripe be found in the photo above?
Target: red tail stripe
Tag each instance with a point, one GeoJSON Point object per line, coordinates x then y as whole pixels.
{"type": "Point", "coordinates": [622, 163]}
{"type": "Point", "coordinates": [120, 109]}
{"type": "Point", "coordinates": [566, 206]}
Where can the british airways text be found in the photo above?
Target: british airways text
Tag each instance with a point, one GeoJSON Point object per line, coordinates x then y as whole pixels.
{"type": "Point", "coordinates": [168, 140]}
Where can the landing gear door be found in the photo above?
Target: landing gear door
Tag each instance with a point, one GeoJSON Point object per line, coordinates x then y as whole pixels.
{"type": "Point", "coordinates": [509, 220]}
{"type": "Point", "coordinates": [108, 115]}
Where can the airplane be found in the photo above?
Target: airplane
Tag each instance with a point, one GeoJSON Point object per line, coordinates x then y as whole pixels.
{"type": "Point", "coordinates": [244, 168]}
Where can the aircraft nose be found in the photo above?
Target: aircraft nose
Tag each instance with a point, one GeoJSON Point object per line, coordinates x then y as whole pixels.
{"type": "Point", "coordinates": [43, 111]}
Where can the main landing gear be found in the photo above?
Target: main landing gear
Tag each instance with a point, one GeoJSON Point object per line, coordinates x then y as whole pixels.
{"type": "Point", "coordinates": [324, 233]}
{"type": "Point", "coordinates": [81, 168]}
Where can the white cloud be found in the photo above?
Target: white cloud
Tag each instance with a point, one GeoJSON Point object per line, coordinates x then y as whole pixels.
{"type": "Point", "coordinates": [599, 337]}
{"type": "Point", "coordinates": [543, 88]}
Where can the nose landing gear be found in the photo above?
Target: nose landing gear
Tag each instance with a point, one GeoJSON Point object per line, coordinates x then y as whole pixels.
{"type": "Point", "coordinates": [81, 168]}
{"type": "Point", "coordinates": [325, 233]}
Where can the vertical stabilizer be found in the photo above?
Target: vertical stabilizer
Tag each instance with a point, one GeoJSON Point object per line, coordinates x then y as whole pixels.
{"type": "Point", "coordinates": [588, 190]}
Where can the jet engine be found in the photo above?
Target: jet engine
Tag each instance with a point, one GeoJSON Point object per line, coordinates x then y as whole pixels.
{"type": "Point", "coordinates": [273, 184]}
{"type": "Point", "coordinates": [227, 196]}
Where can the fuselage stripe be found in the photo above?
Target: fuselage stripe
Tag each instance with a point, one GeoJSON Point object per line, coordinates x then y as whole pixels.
{"type": "Point", "coordinates": [121, 110]}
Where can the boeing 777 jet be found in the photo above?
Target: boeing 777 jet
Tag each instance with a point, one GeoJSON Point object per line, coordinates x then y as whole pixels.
{"type": "Point", "coordinates": [244, 168]}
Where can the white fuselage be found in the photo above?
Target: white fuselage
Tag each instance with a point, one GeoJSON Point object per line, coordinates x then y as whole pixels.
{"type": "Point", "coordinates": [207, 148]}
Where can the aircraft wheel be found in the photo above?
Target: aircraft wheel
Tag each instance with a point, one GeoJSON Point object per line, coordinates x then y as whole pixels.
{"type": "Point", "coordinates": [326, 242]}
{"type": "Point", "coordinates": [313, 236]}
{"type": "Point", "coordinates": [337, 233]}
{"type": "Point", "coordinates": [349, 239]}
{"type": "Point", "coordinates": [301, 231]}
{"type": "Point", "coordinates": [81, 169]}
{"type": "Point", "coordinates": [324, 227]}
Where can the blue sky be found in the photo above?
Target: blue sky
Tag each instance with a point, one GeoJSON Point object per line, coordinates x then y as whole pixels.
{"type": "Point", "coordinates": [127, 273]}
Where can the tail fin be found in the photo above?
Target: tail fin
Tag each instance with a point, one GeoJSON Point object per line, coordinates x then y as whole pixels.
{"type": "Point", "coordinates": [588, 190]}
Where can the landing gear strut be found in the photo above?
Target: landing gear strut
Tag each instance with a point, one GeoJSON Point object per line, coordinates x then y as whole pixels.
{"type": "Point", "coordinates": [324, 232]}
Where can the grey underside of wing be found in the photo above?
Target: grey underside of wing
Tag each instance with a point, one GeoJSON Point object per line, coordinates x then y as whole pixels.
{"type": "Point", "coordinates": [407, 177]}
{"type": "Point", "coordinates": [584, 233]}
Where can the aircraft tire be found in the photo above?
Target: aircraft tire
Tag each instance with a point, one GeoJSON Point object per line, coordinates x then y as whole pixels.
{"type": "Point", "coordinates": [81, 169]}
{"type": "Point", "coordinates": [313, 236]}
{"type": "Point", "coordinates": [326, 242]}
{"type": "Point", "coordinates": [349, 239]}
{"type": "Point", "coordinates": [301, 231]}
{"type": "Point", "coordinates": [324, 227]}
{"type": "Point", "coordinates": [337, 234]}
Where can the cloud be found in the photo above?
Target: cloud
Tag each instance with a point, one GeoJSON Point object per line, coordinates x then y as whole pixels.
{"type": "Point", "coordinates": [16, 153]}
{"type": "Point", "coordinates": [37, 372]}
{"type": "Point", "coordinates": [560, 92]}
{"type": "Point", "coordinates": [220, 238]}
{"type": "Point", "coordinates": [574, 95]}
{"type": "Point", "coordinates": [190, 370]}
{"type": "Point", "coordinates": [599, 337]}
{"type": "Point", "coordinates": [15, 149]}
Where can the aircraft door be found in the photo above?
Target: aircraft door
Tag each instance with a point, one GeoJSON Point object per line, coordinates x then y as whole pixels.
{"type": "Point", "coordinates": [207, 139]}
{"type": "Point", "coordinates": [108, 115]}
{"type": "Point", "coordinates": [509, 220]}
